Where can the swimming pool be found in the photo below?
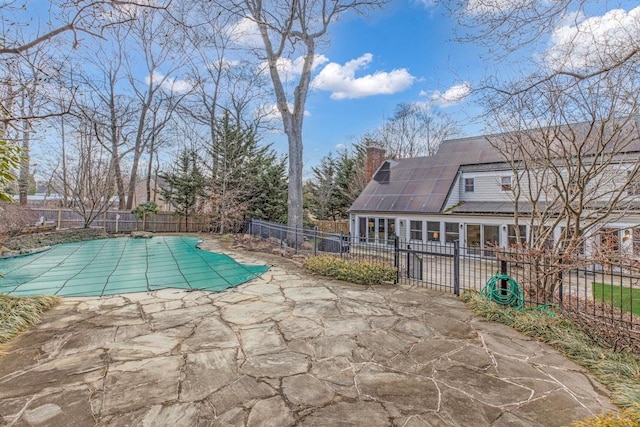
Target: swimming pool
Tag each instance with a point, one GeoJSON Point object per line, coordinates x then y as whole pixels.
{"type": "Point", "coordinates": [123, 265]}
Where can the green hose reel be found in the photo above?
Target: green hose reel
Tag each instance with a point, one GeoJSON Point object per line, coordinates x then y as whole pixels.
{"type": "Point", "coordinates": [511, 295]}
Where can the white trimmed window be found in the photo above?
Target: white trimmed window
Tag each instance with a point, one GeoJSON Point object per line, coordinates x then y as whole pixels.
{"type": "Point", "coordinates": [505, 183]}
{"type": "Point", "coordinates": [415, 230]}
{"type": "Point", "coordinates": [451, 232]}
{"type": "Point", "coordinates": [468, 185]}
{"type": "Point", "coordinates": [433, 231]}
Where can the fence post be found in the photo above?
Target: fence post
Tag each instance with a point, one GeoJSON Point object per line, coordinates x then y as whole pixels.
{"type": "Point", "coordinates": [315, 240]}
{"type": "Point", "coordinates": [59, 218]}
{"type": "Point", "coordinates": [284, 238]}
{"type": "Point", "coordinates": [396, 257]}
{"type": "Point", "coordinates": [456, 268]}
{"type": "Point", "coordinates": [296, 240]}
{"type": "Point", "coordinates": [503, 282]}
{"type": "Point", "coordinates": [341, 241]}
{"type": "Point", "coordinates": [561, 277]}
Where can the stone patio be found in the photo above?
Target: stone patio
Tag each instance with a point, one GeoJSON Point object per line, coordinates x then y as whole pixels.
{"type": "Point", "coordinates": [286, 349]}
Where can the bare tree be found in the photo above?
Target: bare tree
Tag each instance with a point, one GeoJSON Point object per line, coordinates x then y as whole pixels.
{"type": "Point", "coordinates": [129, 109]}
{"type": "Point", "coordinates": [288, 29]}
{"type": "Point", "coordinates": [569, 116]}
{"type": "Point", "coordinates": [106, 107]}
{"type": "Point", "coordinates": [573, 153]}
{"type": "Point", "coordinates": [89, 176]}
{"type": "Point", "coordinates": [88, 17]}
{"type": "Point", "coordinates": [13, 218]}
{"type": "Point", "coordinates": [415, 130]}
{"type": "Point", "coordinates": [22, 42]}
{"type": "Point", "coordinates": [157, 96]}
{"type": "Point", "coordinates": [224, 85]}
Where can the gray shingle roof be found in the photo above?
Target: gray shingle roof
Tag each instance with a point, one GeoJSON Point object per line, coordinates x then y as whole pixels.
{"type": "Point", "coordinates": [422, 184]}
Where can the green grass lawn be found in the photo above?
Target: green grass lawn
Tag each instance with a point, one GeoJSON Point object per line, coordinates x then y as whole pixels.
{"type": "Point", "coordinates": [626, 299]}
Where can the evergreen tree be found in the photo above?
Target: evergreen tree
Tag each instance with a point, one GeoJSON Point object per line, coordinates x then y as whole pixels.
{"type": "Point", "coordinates": [245, 178]}
{"type": "Point", "coordinates": [325, 194]}
{"type": "Point", "coordinates": [270, 196]}
{"type": "Point", "coordinates": [336, 183]}
{"type": "Point", "coordinates": [185, 185]}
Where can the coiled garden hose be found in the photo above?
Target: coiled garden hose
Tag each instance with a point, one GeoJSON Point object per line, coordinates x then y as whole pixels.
{"type": "Point", "coordinates": [511, 295]}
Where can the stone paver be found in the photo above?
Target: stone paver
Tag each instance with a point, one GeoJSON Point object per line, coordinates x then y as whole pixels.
{"type": "Point", "coordinates": [286, 349]}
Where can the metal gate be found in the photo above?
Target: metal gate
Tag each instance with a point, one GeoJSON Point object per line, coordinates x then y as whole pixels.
{"type": "Point", "coordinates": [430, 264]}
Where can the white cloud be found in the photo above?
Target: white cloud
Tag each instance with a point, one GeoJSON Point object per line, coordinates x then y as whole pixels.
{"type": "Point", "coordinates": [288, 66]}
{"type": "Point", "coordinates": [598, 41]}
{"type": "Point", "coordinates": [271, 113]}
{"type": "Point", "coordinates": [341, 80]}
{"type": "Point", "coordinates": [454, 95]}
{"type": "Point", "coordinates": [224, 63]}
{"type": "Point", "coordinates": [290, 69]}
{"type": "Point", "coordinates": [340, 147]}
{"type": "Point", "coordinates": [245, 32]}
{"type": "Point", "coordinates": [169, 83]}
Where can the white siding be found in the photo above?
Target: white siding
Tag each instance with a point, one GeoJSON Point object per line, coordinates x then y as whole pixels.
{"type": "Point", "coordinates": [454, 195]}
{"type": "Point", "coordinates": [487, 187]}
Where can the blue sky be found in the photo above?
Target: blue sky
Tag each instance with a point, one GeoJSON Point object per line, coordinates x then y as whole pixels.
{"type": "Point", "coordinates": [406, 38]}
{"type": "Point", "coordinates": [403, 53]}
{"type": "Point", "coordinates": [409, 49]}
{"type": "Point", "coordinates": [407, 53]}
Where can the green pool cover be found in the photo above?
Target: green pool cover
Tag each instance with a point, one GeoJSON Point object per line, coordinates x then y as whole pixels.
{"type": "Point", "coordinates": [123, 265]}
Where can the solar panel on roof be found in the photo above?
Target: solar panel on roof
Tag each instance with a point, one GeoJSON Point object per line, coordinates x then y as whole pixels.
{"type": "Point", "coordinates": [422, 184]}
{"type": "Point", "coordinates": [383, 174]}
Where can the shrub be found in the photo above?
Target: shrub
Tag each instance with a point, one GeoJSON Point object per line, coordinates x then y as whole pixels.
{"type": "Point", "coordinates": [13, 217]}
{"type": "Point", "coordinates": [628, 417]}
{"type": "Point", "coordinates": [18, 313]}
{"type": "Point", "coordinates": [363, 272]}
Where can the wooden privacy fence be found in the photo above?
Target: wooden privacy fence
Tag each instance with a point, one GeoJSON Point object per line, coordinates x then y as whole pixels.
{"type": "Point", "coordinates": [122, 221]}
{"type": "Point", "coordinates": [340, 226]}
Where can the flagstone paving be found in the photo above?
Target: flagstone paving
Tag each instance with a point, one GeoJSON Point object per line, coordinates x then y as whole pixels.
{"type": "Point", "coordinates": [286, 349]}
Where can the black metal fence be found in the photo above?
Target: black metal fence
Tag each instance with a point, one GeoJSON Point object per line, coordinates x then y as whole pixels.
{"type": "Point", "coordinates": [312, 241]}
{"type": "Point", "coordinates": [606, 291]}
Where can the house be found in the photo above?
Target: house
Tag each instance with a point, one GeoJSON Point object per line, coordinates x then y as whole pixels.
{"type": "Point", "coordinates": [465, 192]}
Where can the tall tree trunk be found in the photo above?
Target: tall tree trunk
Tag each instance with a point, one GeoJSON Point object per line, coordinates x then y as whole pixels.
{"type": "Point", "coordinates": [115, 142]}
{"type": "Point", "coordinates": [150, 170]}
{"type": "Point", "coordinates": [23, 176]}
{"type": "Point", "coordinates": [139, 147]}
{"type": "Point", "coordinates": [65, 181]}
{"type": "Point", "coordinates": [137, 153]}
{"type": "Point", "coordinates": [294, 199]}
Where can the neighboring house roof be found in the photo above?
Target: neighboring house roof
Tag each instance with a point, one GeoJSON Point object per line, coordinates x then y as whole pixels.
{"type": "Point", "coordinates": [423, 184]}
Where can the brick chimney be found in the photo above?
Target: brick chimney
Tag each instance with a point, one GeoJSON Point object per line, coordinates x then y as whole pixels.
{"type": "Point", "coordinates": [375, 157]}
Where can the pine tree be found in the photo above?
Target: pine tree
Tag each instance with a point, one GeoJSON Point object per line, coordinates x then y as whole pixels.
{"type": "Point", "coordinates": [336, 183]}
{"type": "Point", "coordinates": [350, 177]}
{"type": "Point", "coordinates": [270, 196]}
{"type": "Point", "coordinates": [185, 185]}
{"type": "Point", "coordinates": [324, 201]}
{"type": "Point", "coordinates": [245, 178]}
